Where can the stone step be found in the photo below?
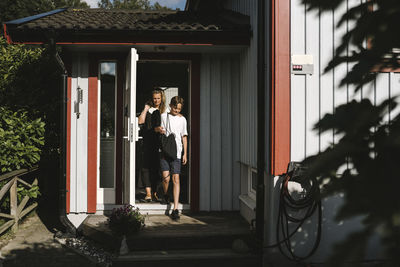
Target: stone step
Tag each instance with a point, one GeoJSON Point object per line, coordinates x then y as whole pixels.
{"type": "Point", "coordinates": [188, 257]}
{"type": "Point", "coordinates": [162, 233]}
{"type": "Point", "coordinates": [185, 240]}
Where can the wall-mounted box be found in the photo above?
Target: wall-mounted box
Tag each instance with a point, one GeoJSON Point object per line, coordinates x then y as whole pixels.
{"type": "Point", "coordinates": [302, 64]}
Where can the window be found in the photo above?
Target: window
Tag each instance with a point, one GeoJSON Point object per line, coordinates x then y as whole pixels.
{"type": "Point", "coordinates": [107, 124]}
{"type": "Point", "coordinates": [252, 183]}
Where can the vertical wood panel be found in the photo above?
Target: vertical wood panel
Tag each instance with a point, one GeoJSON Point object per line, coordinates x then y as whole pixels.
{"type": "Point", "coordinates": [92, 136]}
{"type": "Point", "coordinates": [312, 83]}
{"type": "Point", "coordinates": [382, 92]}
{"type": "Point", "coordinates": [68, 147]}
{"type": "Point", "coordinates": [353, 95]}
{"type": "Point", "coordinates": [215, 126]}
{"type": "Point", "coordinates": [326, 85]}
{"type": "Point", "coordinates": [298, 93]}
{"type": "Point", "coordinates": [195, 128]}
{"type": "Point", "coordinates": [73, 155]}
{"type": "Point", "coordinates": [235, 109]}
{"type": "Point", "coordinates": [226, 134]}
{"type": "Point", "coordinates": [281, 88]}
{"type": "Point", "coordinates": [395, 93]}
{"type": "Point", "coordinates": [82, 137]}
{"type": "Point", "coordinates": [248, 78]}
{"type": "Point", "coordinates": [205, 132]}
{"type": "Point", "coordinates": [340, 93]}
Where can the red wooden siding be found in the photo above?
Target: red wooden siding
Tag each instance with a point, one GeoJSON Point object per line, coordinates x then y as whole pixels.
{"type": "Point", "coordinates": [280, 106]}
{"type": "Point", "coordinates": [92, 138]}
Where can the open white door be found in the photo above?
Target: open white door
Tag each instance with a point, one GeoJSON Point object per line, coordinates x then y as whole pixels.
{"type": "Point", "coordinates": [130, 128]}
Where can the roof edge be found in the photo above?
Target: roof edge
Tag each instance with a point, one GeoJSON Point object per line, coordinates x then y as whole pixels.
{"type": "Point", "coordinates": [38, 16]}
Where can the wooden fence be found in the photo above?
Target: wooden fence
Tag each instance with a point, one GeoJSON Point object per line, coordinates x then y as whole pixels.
{"type": "Point", "coordinates": [17, 210]}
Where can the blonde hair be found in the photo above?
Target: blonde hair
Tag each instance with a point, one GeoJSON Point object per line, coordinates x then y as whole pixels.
{"type": "Point", "coordinates": [162, 106]}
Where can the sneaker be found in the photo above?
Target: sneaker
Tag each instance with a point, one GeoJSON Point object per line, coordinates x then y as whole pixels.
{"type": "Point", "coordinates": [175, 215]}
{"type": "Point", "coordinates": [165, 199]}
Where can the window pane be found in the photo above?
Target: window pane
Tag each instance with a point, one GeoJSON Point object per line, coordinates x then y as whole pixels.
{"type": "Point", "coordinates": [254, 180]}
{"type": "Point", "coordinates": [107, 124]}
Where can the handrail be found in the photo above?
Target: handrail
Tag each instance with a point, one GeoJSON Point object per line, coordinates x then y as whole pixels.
{"type": "Point", "coordinates": [17, 172]}
{"type": "Point", "coordinates": [17, 210]}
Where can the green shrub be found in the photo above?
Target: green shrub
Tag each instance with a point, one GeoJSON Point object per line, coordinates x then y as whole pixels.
{"type": "Point", "coordinates": [126, 220]}
{"type": "Point", "coordinates": [21, 140]}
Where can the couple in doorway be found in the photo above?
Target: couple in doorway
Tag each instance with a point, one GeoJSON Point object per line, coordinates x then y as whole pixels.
{"type": "Point", "coordinates": [158, 169]}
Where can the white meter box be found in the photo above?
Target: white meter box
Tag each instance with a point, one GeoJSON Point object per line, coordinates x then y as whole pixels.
{"type": "Point", "coordinates": [302, 64]}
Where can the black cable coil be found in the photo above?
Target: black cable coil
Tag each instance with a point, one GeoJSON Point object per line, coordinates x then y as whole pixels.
{"type": "Point", "coordinates": [309, 202]}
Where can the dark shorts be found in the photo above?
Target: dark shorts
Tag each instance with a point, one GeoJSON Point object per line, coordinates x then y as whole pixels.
{"type": "Point", "coordinates": [173, 166]}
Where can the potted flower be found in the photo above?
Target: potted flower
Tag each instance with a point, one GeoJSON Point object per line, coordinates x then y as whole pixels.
{"type": "Point", "coordinates": [126, 220]}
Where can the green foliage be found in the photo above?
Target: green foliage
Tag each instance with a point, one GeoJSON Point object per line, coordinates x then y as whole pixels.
{"type": "Point", "coordinates": [130, 4]}
{"type": "Point", "coordinates": [12, 58]}
{"type": "Point", "coordinates": [126, 220]}
{"type": "Point", "coordinates": [21, 140]}
{"type": "Point", "coordinates": [30, 81]}
{"type": "Point", "coordinates": [369, 142]}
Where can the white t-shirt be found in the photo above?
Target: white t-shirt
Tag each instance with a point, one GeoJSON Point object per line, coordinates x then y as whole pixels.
{"type": "Point", "coordinates": [176, 125]}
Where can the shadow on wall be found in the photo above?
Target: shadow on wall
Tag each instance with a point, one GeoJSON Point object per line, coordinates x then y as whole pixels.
{"type": "Point", "coordinates": [332, 231]}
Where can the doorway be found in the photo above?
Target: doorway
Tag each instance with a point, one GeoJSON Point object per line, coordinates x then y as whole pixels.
{"type": "Point", "coordinates": [173, 78]}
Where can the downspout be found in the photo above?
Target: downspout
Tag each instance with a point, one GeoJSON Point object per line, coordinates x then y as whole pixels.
{"type": "Point", "coordinates": [261, 164]}
{"type": "Point", "coordinates": [62, 205]}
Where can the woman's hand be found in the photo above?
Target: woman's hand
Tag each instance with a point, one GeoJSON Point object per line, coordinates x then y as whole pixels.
{"type": "Point", "coordinates": [142, 116]}
{"type": "Point", "coordinates": [160, 130]}
{"type": "Point", "coordinates": [184, 159]}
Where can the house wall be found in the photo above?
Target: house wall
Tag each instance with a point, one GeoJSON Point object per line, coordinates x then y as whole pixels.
{"type": "Point", "coordinates": [247, 139]}
{"type": "Point", "coordinates": [312, 96]}
{"type": "Point", "coordinates": [248, 86]}
{"type": "Point", "coordinates": [219, 132]}
{"type": "Point", "coordinates": [78, 136]}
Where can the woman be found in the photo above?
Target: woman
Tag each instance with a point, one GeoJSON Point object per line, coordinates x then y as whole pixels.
{"type": "Point", "coordinates": [151, 118]}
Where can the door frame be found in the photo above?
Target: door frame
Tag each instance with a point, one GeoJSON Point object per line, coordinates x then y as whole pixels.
{"type": "Point", "coordinates": [194, 135]}
{"type": "Point", "coordinates": [93, 159]}
{"type": "Point", "coordinates": [104, 191]}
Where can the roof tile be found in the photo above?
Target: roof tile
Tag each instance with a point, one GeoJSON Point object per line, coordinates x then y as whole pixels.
{"type": "Point", "coordinates": [101, 19]}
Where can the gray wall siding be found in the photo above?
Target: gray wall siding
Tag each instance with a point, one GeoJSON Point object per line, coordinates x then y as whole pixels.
{"type": "Point", "coordinates": [219, 156]}
{"type": "Point", "coordinates": [248, 86]}
{"type": "Point", "coordinates": [313, 96]}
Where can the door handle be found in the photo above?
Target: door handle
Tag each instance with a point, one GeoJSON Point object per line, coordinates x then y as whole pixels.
{"type": "Point", "coordinates": [137, 129]}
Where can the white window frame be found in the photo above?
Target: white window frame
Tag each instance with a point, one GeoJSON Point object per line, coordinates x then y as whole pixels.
{"type": "Point", "coordinates": [250, 191]}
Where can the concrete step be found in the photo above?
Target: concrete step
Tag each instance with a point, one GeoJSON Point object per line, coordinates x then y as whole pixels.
{"type": "Point", "coordinates": [188, 257]}
{"type": "Point", "coordinates": [188, 240]}
{"type": "Point", "coordinates": [161, 233]}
